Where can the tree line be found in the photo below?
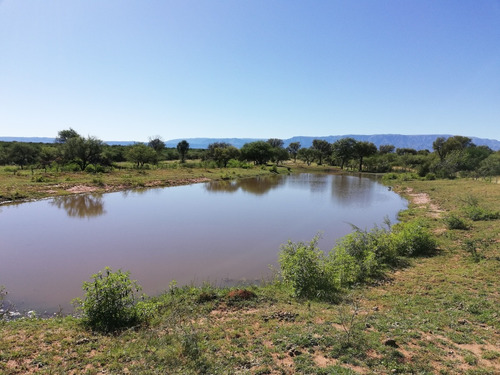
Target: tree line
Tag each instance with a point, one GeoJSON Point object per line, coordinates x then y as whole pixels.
{"type": "Point", "coordinates": [449, 158]}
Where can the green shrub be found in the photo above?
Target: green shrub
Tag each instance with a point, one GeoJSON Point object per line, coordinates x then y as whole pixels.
{"type": "Point", "coordinates": [430, 176]}
{"type": "Point", "coordinates": [304, 269]}
{"type": "Point", "coordinates": [109, 303]}
{"type": "Point", "coordinates": [413, 239]}
{"type": "Point", "coordinates": [455, 222]}
{"type": "Point", "coordinates": [476, 213]}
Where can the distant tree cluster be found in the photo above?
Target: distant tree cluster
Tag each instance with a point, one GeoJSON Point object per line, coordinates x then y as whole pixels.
{"type": "Point", "coordinates": [451, 157]}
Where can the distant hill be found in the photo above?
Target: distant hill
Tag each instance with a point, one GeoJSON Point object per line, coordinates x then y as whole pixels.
{"type": "Point", "coordinates": [418, 142]}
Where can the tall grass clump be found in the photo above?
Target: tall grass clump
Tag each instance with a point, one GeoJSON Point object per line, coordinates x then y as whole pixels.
{"type": "Point", "coordinates": [109, 304]}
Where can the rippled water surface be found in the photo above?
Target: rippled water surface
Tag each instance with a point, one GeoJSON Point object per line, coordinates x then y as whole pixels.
{"type": "Point", "coordinates": [222, 232]}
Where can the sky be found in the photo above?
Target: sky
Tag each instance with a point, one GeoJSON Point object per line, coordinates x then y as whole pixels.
{"type": "Point", "coordinates": [125, 70]}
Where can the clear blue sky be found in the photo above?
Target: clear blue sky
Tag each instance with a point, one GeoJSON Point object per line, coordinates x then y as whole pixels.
{"type": "Point", "coordinates": [128, 70]}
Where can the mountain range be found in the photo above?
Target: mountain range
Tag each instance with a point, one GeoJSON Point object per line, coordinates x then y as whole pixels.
{"type": "Point", "coordinates": [417, 142]}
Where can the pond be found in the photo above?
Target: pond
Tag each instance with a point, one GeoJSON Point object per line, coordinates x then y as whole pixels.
{"type": "Point", "coordinates": [224, 232]}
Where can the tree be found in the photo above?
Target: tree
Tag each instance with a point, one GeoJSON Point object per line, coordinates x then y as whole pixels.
{"type": "Point", "coordinates": [64, 135]}
{"type": "Point", "coordinates": [293, 148]}
{"type": "Point", "coordinates": [323, 149]}
{"type": "Point", "coordinates": [221, 153]}
{"type": "Point", "coordinates": [406, 151]}
{"type": "Point", "coordinates": [280, 155]}
{"type": "Point", "coordinates": [182, 148]}
{"type": "Point", "coordinates": [141, 154]}
{"type": "Point", "coordinates": [260, 152]}
{"type": "Point", "coordinates": [490, 166]}
{"type": "Point", "coordinates": [156, 143]}
{"type": "Point", "coordinates": [364, 149]}
{"type": "Point", "coordinates": [386, 149]}
{"type": "Point", "coordinates": [438, 146]}
{"type": "Point", "coordinates": [344, 150]}
{"type": "Point", "coordinates": [456, 143]}
{"type": "Point", "coordinates": [22, 154]}
{"type": "Point", "coordinates": [275, 142]}
{"type": "Point", "coordinates": [307, 155]}
{"type": "Point", "coordinates": [48, 154]}
{"type": "Point", "coordinates": [83, 151]}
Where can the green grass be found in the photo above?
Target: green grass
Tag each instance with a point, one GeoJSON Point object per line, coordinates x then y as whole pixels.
{"type": "Point", "coordinates": [442, 311]}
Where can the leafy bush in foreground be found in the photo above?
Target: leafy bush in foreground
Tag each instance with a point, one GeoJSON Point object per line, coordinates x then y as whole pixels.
{"type": "Point", "coordinates": [109, 303]}
{"type": "Point", "coordinates": [413, 239]}
{"type": "Point", "coordinates": [304, 268]}
{"type": "Point", "coordinates": [357, 257]}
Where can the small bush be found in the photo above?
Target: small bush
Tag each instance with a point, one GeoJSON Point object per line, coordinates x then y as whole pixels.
{"type": "Point", "coordinates": [455, 222]}
{"type": "Point", "coordinates": [109, 303]}
{"type": "Point", "coordinates": [430, 176]}
{"type": "Point", "coordinates": [476, 213]}
{"type": "Point", "coordinates": [413, 239]}
{"type": "Point", "coordinates": [303, 267]}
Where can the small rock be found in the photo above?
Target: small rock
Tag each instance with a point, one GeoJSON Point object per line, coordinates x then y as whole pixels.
{"type": "Point", "coordinates": [391, 342]}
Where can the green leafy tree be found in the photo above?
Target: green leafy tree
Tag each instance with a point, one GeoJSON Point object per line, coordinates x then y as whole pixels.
{"type": "Point", "coordinates": [322, 148]}
{"type": "Point", "coordinates": [307, 155]}
{"type": "Point", "coordinates": [64, 135]}
{"type": "Point", "coordinates": [156, 143]}
{"type": "Point", "coordinates": [364, 149]}
{"type": "Point", "coordinates": [221, 153]}
{"type": "Point", "coordinates": [141, 154]}
{"type": "Point", "coordinates": [490, 166]}
{"type": "Point", "coordinates": [344, 150]}
{"type": "Point", "coordinates": [386, 149]}
{"type": "Point", "coordinates": [182, 148]}
{"type": "Point", "coordinates": [48, 155]}
{"type": "Point", "coordinates": [275, 142]}
{"type": "Point", "coordinates": [22, 154]}
{"type": "Point", "coordinates": [293, 148]}
{"type": "Point", "coordinates": [438, 146]}
{"type": "Point", "coordinates": [280, 155]}
{"type": "Point", "coordinates": [83, 151]}
{"type": "Point", "coordinates": [260, 152]}
{"type": "Point", "coordinates": [406, 151]}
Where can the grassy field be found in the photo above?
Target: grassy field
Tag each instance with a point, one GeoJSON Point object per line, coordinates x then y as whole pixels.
{"type": "Point", "coordinates": [437, 315]}
{"type": "Point", "coordinates": [17, 184]}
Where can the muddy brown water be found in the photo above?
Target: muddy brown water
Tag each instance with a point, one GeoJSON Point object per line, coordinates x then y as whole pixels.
{"type": "Point", "coordinates": [224, 233]}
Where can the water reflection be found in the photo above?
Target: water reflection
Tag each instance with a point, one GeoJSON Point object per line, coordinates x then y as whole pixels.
{"type": "Point", "coordinates": [223, 232]}
{"type": "Point", "coordinates": [256, 186]}
{"type": "Point", "coordinates": [81, 205]}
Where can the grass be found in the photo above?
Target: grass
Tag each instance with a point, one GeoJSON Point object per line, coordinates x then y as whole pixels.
{"type": "Point", "coordinates": [18, 185]}
{"type": "Point", "coordinates": [438, 315]}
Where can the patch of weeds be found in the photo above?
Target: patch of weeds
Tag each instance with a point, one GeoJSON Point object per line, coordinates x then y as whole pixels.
{"type": "Point", "coordinates": [98, 181]}
{"type": "Point", "coordinates": [472, 246]}
{"type": "Point", "coordinates": [454, 221]}
{"type": "Point", "coordinates": [470, 359]}
{"type": "Point", "coordinates": [476, 213]}
{"type": "Point", "coordinates": [490, 355]}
